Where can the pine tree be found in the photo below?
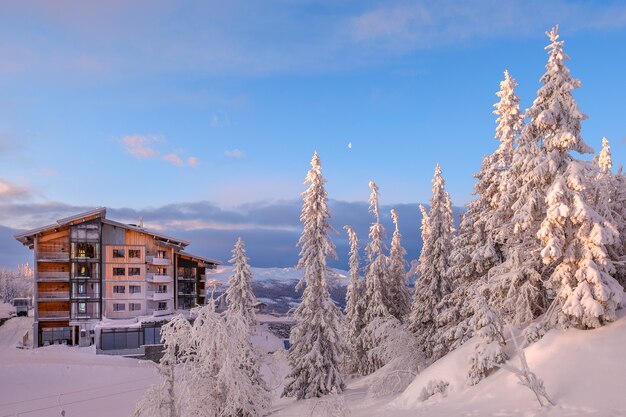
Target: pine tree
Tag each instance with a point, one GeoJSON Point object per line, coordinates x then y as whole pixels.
{"type": "Point", "coordinates": [610, 203]}
{"type": "Point", "coordinates": [163, 400]}
{"type": "Point", "coordinates": [575, 236]}
{"type": "Point", "coordinates": [354, 305]}
{"type": "Point", "coordinates": [376, 276]}
{"type": "Point", "coordinates": [433, 284]}
{"type": "Point", "coordinates": [376, 297]}
{"type": "Point", "coordinates": [239, 295]}
{"type": "Point", "coordinates": [400, 299]}
{"type": "Point", "coordinates": [489, 352]}
{"type": "Point", "coordinates": [317, 347]}
{"type": "Point", "coordinates": [221, 375]}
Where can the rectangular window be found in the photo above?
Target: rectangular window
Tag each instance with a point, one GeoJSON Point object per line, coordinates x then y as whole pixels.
{"type": "Point", "coordinates": [82, 308]}
{"type": "Point", "coordinates": [161, 254]}
{"type": "Point", "coordinates": [162, 306]}
{"type": "Point", "coordinates": [134, 306]}
{"type": "Point", "coordinates": [162, 289]}
{"type": "Point", "coordinates": [119, 307]}
{"type": "Point", "coordinates": [134, 272]}
{"type": "Point", "coordinates": [119, 253]}
{"type": "Point", "coordinates": [134, 253]}
{"type": "Point", "coordinates": [80, 289]}
{"type": "Point", "coordinates": [119, 272]}
{"type": "Point", "coordinates": [119, 289]}
{"type": "Point", "coordinates": [134, 289]}
{"type": "Point", "coordinates": [162, 271]}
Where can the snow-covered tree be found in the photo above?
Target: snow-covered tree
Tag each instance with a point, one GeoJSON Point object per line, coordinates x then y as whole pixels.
{"type": "Point", "coordinates": [165, 399]}
{"type": "Point", "coordinates": [400, 299]}
{"type": "Point", "coordinates": [376, 275]}
{"type": "Point", "coordinates": [239, 295]}
{"type": "Point", "coordinates": [354, 305]}
{"type": "Point", "coordinates": [489, 352]}
{"type": "Point", "coordinates": [221, 374]}
{"type": "Point", "coordinates": [316, 344]}
{"type": "Point", "coordinates": [610, 202]}
{"type": "Point", "coordinates": [17, 283]}
{"type": "Point", "coordinates": [433, 284]}
{"type": "Point", "coordinates": [575, 236]}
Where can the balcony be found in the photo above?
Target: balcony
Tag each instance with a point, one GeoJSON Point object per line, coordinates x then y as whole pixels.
{"type": "Point", "coordinates": [53, 295]}
{"type": "Point", "coordinates": [53, 276]}
{"type": "Point", "coordinates": [190, 278]}
{"type": "Point", "coordinates": [53, 256]}
{"type": "Point", "coordinates": [156, 260]}
{"type": "Point", "coordinates": [159, 296]}
{"type": "Point", "coordinates": [53, 315]}
{"type": "Point", "coordinates": [162, 312]}
{"type": "Point", "coordinates": [86, 296]}
{"type": "Point", "coordinates": [159, 279]}
{"type": "Point", "coordinates": [202, 278]}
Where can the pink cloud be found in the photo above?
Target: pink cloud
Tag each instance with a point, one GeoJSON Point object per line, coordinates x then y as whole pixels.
{"type": "Point", "coordinates": [141, 146]}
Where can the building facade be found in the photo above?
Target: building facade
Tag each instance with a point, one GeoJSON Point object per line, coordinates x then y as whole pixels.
{"type": "Point", "coordinates": [89, 268]}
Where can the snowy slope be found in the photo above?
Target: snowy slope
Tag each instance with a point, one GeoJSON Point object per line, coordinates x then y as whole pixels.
{"type": "Point", "coordinates": [584, 373]}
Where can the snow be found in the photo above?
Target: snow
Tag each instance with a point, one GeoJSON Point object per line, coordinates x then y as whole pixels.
{"type": "Point", "coordinates": [40, 379]}
{"type": "Point", "coordinates": [6, 310]}
{"type": "Point", "coordinates": [584, 373]}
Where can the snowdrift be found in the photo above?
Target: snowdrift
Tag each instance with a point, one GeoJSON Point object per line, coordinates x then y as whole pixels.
{"type": "Point", "coordinates": [584, 373]}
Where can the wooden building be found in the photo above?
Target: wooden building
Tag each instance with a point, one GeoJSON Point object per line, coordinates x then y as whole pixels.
{"type": "Point", "coordinates": [88, 267]}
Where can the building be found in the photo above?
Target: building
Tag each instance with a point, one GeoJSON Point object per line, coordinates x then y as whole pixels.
{"type": "Point", "coordinates": [88, 268]}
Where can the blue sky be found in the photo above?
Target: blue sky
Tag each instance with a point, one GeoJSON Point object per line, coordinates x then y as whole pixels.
{"type": "Point", "coordinates": [144, 104]}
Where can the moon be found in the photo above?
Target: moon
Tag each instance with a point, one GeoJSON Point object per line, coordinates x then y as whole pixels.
{"type": "Point", "coordinates": [350, 145]}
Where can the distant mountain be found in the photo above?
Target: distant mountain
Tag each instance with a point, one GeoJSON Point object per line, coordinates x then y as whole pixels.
{"type": "Point", "coordinates": [276, 287]}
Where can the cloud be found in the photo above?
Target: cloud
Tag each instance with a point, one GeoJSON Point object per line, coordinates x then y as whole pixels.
{"type": "Point", "coordinates": [276, 36]}
{"type": "Point", "coordinates": [174, 159]}
{"type": "Point", "coordinates": [192, 161]}
{"type": "Point", "coordinates": [144, 147]}
{"type": "Point", "coordinates": [141, 146]}
{"type": "Point", "coordinates": [46, 172]}
{"type": "Point", "coordinates": [9, 190]}
{"type": "Point", "coordinates": [235, 154]}
{"type": "Point", "coordinates": [271, 229]}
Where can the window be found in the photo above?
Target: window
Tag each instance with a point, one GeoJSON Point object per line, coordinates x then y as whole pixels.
{"type": "Point", "coordinates": [134, 289]}
{"type": "Point", "coordinates": [82, 308]}
{"type": "Point", "coordinates": [119, 289]}
{"type": "Point", "coordinates": [119, 307]}
{"type": "Point", "coordinates": [161, 254]}
{"type": "Point", "coordinates": [84, 250]}
{"type": "Point", "coordinates": [80, 289]}
{"type": "Point", "coordinates": [162, 306]}
{"type": "Point", "coordinates": [162, 289]}
{"type": "Point", "coordinates": [134, 253]}
{"type": "Point", "coordinates": [134, 306]}
{"type": "Point", "coordinates": [119, 272]}
{"type": "Point", "coordinates": [162, 271]}
{"type": "Point", "coordinates": [152, 335]}
{"type": "Point", "coordinates": [119, 253]}
{"type": "Point", "coordinates": [133, 272]}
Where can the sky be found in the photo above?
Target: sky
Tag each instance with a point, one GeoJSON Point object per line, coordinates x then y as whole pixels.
{"type": "Point", "coordinates": [202, 116]}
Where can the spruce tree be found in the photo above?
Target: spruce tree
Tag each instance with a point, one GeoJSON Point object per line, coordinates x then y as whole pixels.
{"type": "Point", "coordinates": [317, 348]}
{"type": "Point", "coordinates": [354, 305]}
{"type": "Point", "coordinates": [433, 284]}
{"type": "Point", "coordinates": [400, 299]}
{"type": "Point", "coordinates": [376, 276]}
{"type": "Point", "coordinates": [239, 295]}
{"type": "Point", "coordinates": [574, 235]}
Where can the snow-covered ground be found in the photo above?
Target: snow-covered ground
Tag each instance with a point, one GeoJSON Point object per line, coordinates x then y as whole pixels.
{"type": "Point", "coordinates": [584, 373]}
{"type": "Point", "coordinates": [6, 310]}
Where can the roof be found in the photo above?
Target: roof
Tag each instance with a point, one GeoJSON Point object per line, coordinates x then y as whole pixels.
{"type": "Point", "coordinates": [27, 237]}
{"type": "Point", "coordinates": [167, 239]}
{"type": "Point", "coordinates": [201, 258]}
